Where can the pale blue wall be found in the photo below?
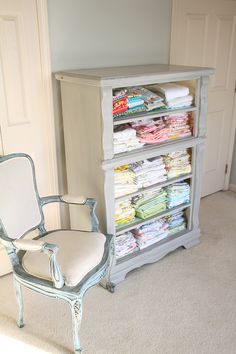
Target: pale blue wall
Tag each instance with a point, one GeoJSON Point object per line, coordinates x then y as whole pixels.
{"type": "Point", "coordinates": [92, 33]}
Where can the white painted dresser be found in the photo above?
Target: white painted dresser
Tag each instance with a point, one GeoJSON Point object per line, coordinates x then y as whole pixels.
{"type": "Point", "coordinates": [87, 97]}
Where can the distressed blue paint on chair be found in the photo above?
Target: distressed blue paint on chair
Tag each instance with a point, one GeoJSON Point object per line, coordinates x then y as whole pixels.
{"type": "Point", "coordinates": [40, 264]}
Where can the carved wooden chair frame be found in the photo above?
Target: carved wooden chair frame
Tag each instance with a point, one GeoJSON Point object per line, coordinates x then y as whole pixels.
{"type": "Point", "coordinates": [55, 288]}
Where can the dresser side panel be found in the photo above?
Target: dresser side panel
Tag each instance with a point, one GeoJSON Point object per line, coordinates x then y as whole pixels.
{"type": "Point", "coordinates": [81, 105]}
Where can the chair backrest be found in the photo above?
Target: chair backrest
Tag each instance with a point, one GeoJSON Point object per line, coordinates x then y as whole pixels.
{"type": "Point", "coordinates": [20, 210]}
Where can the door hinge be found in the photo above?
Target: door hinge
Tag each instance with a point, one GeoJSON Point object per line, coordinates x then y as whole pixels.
{"type": "Point", "coordinates": [226, 168]}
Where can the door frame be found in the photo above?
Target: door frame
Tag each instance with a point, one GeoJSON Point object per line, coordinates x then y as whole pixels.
{"type": "Point", "coordinates": [174, 8]}
{"type": "Point", "coordinates": [44, 45]}
{"type": "Point", "coordinates": [231, 146]}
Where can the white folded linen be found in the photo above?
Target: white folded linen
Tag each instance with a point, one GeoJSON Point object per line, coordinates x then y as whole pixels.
{"type": "Point", "coordinates": [170, 90]}
{"type": "Point", "coordinates": [180, 101]}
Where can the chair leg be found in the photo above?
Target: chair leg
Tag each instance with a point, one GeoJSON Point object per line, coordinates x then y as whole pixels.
{"type": "Point", "coordinates": [19, 300]}
{"type": "Point", "coordinates": [106, 282]}
{"type": "Point", "coordinates": [76, 310]}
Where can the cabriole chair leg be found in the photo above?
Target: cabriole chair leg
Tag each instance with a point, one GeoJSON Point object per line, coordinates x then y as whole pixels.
{"type": "Point", "coordinates": [19, 300]}
{"type": "Point", "coordinates": [106, 282]}
{"type": "Point", "coordinates": [76, 310]}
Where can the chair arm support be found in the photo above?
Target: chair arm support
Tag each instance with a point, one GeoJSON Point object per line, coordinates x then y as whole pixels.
{"type": "Point", "coordinates": [47, 248]}
{"type": "Point", "coordinates": [57, 277]}
{"type": "Point", "coordinates": [78, 200]}
{"type": "Point", "coordinates": [92, 203]}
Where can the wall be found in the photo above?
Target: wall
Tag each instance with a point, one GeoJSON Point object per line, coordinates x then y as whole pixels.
{"type": "Point", "coordinates": [104, 33]}
{"type": "Point", "coordinates": [108, 33]}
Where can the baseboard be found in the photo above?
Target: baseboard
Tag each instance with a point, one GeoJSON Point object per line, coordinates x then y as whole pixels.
{"type": "Point", "coordinates": [232, 187]}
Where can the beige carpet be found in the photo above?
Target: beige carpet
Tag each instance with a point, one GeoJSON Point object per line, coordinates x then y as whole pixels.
{"type": "Point", "coordinates": [184, 304]}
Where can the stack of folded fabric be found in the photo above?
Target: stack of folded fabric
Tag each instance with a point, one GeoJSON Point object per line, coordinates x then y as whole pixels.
{"type": "Point", "coordinates": [125, 244]}
{"type": "Point", "coordinates": [135, 101]}
{"type": "Point", "coordinates": [176, 222]}
{"type": "Point", "coordinates": [125, 139]}
{"type": "Point", "coordinates": [150, 203]}
{"type": "Point", "coordinates": [124, 212]}
{"type": "Point", "coordinates": [178, 125]}
{"type": "Point", "coordinates": [151, 99]}
{"type": "Point", "coordinates": [177, 193]}
{"type": "Point", "coordinates": [151, 132]}
{"type": "Point", "coordinates": [177, 163]}
{"type": "Point", "coordinates": [125, 181]}
{"type": "Point", "coordinates": [120, 102]}
{"type": "Point", "coordinates": [149, 172]}
{"type": "Point", "coordinates": [176, 95]}
{"type": "Point", "coordinates": [151, 233]}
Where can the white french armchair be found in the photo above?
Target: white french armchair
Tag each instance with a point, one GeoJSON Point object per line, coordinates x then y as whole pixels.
{"type": "Point", "coordinates": [59, 263]}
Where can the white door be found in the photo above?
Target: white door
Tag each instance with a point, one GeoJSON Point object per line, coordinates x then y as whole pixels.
{"type": "Point", "coordinates": [5, 266]}
{"type": "Point", "coordinates": [204, 34]}
{"type": "Point", "coordinates": [25, 117]}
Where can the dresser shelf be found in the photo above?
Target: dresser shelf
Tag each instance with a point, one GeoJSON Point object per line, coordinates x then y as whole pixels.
{"type": "Point", "coordinates": [137, 222]}
{"type": "Point", "coordinates": [151, 115]}
{"type": "Point", "coordinates": [155, 186]}
{"type": "Point", "coordinates": [147, 249]}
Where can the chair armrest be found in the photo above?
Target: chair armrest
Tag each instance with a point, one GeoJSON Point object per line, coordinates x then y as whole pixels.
{"type": "Point", "coordinates": [67, 198]}
{"type": "Point", "coordinates": [77, 200]}
{"type": "Point", "coordinates": [70, 199]}
{"type": "Point", "coordinates": [48, 248]}
{"type": "Point", "coordinates": [29, 245]}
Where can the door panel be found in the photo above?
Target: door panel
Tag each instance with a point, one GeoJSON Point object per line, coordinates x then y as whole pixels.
{"type": "Point", "coordinates": [25, 120]}
{"type": "Point", "coordinates": [203, 34]}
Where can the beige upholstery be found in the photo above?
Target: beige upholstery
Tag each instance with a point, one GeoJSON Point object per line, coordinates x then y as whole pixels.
{"type": "Point", "coordinates": [73, 199]}
{"type": "Point", "coordinates": [79, 252]}
{"type": "Point", "coordinates": [19, 209]}
{"type": "Point", "coordinates": [29, 245]}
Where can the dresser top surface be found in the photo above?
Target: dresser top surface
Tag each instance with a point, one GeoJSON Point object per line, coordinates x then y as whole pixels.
{"type": "Point", "coordinates": [112, 74]}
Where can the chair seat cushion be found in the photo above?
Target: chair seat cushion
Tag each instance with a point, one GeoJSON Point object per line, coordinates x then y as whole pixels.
{"type": "Point", "coordinates": [79, 252]}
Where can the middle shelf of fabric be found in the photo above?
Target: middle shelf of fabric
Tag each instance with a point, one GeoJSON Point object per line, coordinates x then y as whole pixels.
{"type": "Point", "coordinates": [149, 174]}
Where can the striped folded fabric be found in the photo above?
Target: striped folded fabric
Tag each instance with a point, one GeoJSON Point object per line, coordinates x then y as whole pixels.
{"type": "Point", "coordinates": [124, 212]}
{"type": "Point", "coordinates": [151, 232]}
{"type": "Point", "coordinates": [150, 203]}
{"type": "Point", "coordinates": [177, 193]}
{"type": "Point", "coordinates": [176, 223]}
{"type": "Point", "coordinates": [125, 181]}
{"type": "Point", "coordinates": [125, 244]}
{"type": "Point", "coordinates": [177, 163]}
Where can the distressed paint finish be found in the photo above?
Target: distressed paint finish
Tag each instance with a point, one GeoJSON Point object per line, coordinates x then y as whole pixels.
{"type": "Point", "coordinates": [106, 79]}
{"type": "Point", "coordinates": [203, 106]}
{"type": "Point", "coordinates": [56, 288]}
{"type": "Point", "coordinates": [106, 111]}
{"type": "Point", "coordinates": [19, 300]}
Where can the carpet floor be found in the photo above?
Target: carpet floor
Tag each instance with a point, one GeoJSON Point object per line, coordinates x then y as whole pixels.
{"type": "Point", "coordinates": [183, 304]}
